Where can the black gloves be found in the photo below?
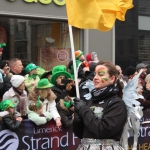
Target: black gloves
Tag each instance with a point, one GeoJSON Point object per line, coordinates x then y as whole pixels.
{"type": "Point", "coordinates": [78, 103]}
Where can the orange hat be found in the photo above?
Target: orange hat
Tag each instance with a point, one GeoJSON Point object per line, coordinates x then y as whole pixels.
{"type": "Point", "coordinates": [78, 53]}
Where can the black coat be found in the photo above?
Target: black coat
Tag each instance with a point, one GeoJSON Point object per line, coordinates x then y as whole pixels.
{"type": "Point", "coordinates": [108, 126]}
{"type": "Point", "coordinates": [5, 86]}
{"type": "Point", "coordinates": [10, 123]}
{"type": "Point", "coordinates": [66, 116]}
{"type": "Point", "coordinates": [61, 92]}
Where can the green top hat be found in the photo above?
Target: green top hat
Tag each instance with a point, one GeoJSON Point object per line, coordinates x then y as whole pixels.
{"type": "Point", "coordinates": [57, 71]}
{"type": "Point", "coordinates": [44, 84]}
{"type": "Point", "coordinates": [6, 104]}
{"type": "Point", "coordinates": [30, 67]}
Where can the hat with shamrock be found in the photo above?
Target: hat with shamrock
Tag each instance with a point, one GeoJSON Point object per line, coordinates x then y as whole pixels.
{"type": "Point", "coordinates": [57, 71]}
{"type": "Point", "coordinates": [6, 104]}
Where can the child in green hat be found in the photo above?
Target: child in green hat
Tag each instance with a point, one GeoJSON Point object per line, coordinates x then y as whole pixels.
{"type": "Point", "coordinates": [35, 113]}
{"type": "Point", "coordinates": [32, 78]}
{"type": "Point", "coordinates": [7, 108]}
{"type": "Point", "coordinates": [43, 92]}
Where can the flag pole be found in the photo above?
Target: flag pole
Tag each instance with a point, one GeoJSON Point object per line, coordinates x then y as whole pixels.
{"type": "Point", "coordinates": [74, 62]}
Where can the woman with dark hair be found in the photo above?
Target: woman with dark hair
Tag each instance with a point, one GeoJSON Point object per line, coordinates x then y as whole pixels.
{"type": "Point", "coordinates": [100, 122]}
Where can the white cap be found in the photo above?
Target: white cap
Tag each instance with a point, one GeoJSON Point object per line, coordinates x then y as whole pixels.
{"type": "Point", "coordinates": [16, 80]}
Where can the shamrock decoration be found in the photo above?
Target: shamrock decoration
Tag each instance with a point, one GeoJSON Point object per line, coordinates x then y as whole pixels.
{"type": "Point", "coordinates": [98, 111]}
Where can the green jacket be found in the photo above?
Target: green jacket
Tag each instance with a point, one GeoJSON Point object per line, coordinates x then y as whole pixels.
{"type": "Point", "coordinates": [29, 80]}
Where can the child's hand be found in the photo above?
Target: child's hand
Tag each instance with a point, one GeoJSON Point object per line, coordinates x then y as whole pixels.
{"type": "Point", "coordinates": [73, 116]}
{"type": "Point", "coordinates": [33, 83]}
{"type": "Point", "coordinates": [71, 108]}
{"type": "Point", "coordinates": [58, 122]}
{"type": "Point", "coordinates": [19, 119]}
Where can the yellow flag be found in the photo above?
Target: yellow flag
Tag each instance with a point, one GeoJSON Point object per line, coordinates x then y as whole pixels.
{"type": "Point", "coordinates": [96, 14]}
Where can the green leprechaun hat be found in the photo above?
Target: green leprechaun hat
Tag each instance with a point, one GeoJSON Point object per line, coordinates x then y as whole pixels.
{"type": "Point", "coordinates": [6, 104]}
{"type": "Point", "coordinates": [57, 71]}
{"type": "Point", "coordinates": [44, 84]}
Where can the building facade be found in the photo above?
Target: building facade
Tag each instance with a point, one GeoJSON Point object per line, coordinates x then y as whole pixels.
{"type": "Point", "coordinates": [37, 31]}
{"type": "Point", "coordinates": [133, 36]}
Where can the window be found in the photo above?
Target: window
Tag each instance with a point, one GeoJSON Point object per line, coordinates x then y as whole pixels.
{"type": "Point", "coordinates": [43, 42]}
{"type": "Point", "coordinates": [144, 45]}
{"type": "Point", "coordinates": [144, 7]}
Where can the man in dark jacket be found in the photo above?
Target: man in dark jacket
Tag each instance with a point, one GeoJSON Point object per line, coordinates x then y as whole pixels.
{"type": "Point", "coordinates": [16, 66]}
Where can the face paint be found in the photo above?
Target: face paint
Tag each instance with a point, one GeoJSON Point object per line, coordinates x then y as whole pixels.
{"type": "Point", "coordinates": [102, 77]}
{"type": "Point", "coordinates": [104, 80]}
{"type": "Point", "coordinates": [101, 70]}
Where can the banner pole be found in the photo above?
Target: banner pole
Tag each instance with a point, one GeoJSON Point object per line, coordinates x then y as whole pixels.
{"type": "Point", "coordinates": [74, 62]}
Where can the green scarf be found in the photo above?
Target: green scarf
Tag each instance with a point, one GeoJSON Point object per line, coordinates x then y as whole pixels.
{"type": "Point", "coordinates": [68, 104]}
{"type": "Point", "coordinates": [38, 103]}
{"type": "Point", "coordinates": [33, 76]}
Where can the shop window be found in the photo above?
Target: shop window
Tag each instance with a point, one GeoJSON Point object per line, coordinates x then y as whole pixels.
{"type": "Point", "coordinates": [43, 42]}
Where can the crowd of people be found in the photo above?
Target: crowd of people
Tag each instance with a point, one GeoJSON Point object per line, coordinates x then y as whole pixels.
{"type": "Point", "coordinates": [98, 116]}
